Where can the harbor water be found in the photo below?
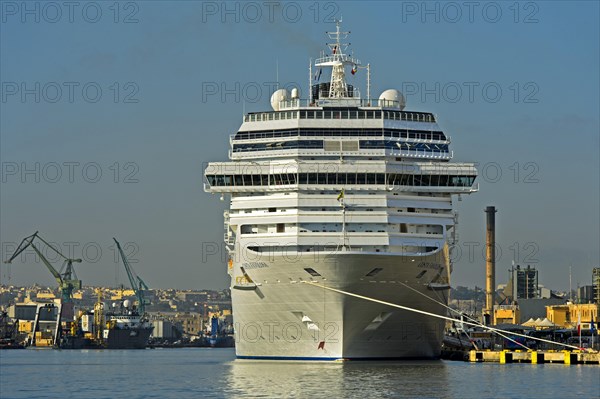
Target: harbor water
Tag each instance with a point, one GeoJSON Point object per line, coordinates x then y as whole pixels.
{"type": "Point", "coordinates": [206, 372]}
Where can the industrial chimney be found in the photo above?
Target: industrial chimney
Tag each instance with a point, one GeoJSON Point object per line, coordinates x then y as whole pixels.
{"type": "Point", "coordinates": [490, 264]}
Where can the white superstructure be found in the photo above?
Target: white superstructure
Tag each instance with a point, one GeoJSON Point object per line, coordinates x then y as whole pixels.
{"type": "Point", "coordinates": [351, 193]}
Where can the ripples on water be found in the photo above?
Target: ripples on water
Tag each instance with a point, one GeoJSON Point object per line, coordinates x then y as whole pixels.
{"type": "Point", "coordinates": [197, 373]}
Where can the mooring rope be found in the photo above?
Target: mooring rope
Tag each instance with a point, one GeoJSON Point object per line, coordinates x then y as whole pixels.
{"type": "Point", "coordinates": [469, 318]}
{"type": "Point", "coordinates": [436, 315]}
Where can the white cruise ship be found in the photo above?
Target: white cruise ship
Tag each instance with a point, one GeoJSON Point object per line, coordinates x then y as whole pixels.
{"type": "Point", "coordinates": [342, 192]}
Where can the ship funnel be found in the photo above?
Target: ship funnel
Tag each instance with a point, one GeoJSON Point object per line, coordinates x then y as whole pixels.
{"type": "Point", "coordinates": [490, 264]}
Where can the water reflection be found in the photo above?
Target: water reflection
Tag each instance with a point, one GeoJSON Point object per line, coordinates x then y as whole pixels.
{"type": "Point", "coordinates": [259, 378]}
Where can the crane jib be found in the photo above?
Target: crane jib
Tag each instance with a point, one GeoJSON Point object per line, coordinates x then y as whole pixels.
{"type": "Point", "coordinates": [137, 284]}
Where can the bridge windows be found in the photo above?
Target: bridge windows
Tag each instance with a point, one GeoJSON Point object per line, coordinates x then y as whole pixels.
{"type": "Point", "coordinates": [341, 132]}
{"type": "Point", "coordinates": [341, 179]}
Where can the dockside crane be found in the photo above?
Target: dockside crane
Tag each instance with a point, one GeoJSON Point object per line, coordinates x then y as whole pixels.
{"type": "Point", "coordinates": [67, 278]}
{"type": "Point", "coordinates": [137, 284]}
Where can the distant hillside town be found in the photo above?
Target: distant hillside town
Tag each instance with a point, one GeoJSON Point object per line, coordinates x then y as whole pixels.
{"type": "Point", "coordinates": [177, 315]}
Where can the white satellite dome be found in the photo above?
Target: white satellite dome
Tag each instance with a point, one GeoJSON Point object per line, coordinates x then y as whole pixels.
{"type": "Point", "coordinates": [392, 98]}
{"type": "Point", "coordinates": [126, 303]}
{"type": "Point", "coordinates": [294, 93]}
{"type": "Point", "coordinates": [277, 97]}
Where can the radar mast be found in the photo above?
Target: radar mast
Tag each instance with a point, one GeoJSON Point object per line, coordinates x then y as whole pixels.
{"type": "Point", "coordinates": [337, 60]}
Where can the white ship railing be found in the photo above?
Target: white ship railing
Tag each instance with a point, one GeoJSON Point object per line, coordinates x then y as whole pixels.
{"type": "Point", "coordinates": [337, 58]}
{"type": "Point", "coordinates": [389, 109]}
{"type": "Point", "coordinates": [251, 154]}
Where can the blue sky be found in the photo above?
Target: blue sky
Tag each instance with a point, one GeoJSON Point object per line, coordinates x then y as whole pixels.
{"type": "Point", "coordinates": [110, 110]}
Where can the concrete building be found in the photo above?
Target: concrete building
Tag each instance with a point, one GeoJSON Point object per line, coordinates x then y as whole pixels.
{"type": "Point", "coordinates": [523, 283]}
{"type": "Point", "coordinates": [191, 323]}
{"type": "Point", "coordinates": [585, 294]}
{"type": "Point", "coordinates": [164, 329]}
{"type": "Point", "coordinates": [534, 308]}
{"type": "Point", "coordinates": [507, 314]}
{"type": "Point", "coordinates": [566, 315]}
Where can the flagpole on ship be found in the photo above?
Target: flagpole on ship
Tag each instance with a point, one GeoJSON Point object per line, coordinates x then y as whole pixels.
{"type": "Point", "coordinates": [344, 224]}
{"type": "Point", "coordinates": [341, 200]}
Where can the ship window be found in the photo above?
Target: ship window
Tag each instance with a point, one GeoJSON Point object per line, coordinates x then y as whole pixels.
{"type": "Point", "coordinates": [281, 227]}
{"type": "Point", "coordinates": [374, 272]}
{"type": "Point", "coordinates": [272, 209]}
{"type": "Point", "coordinates": [239, 180]}
{"type": "Point", "coordinates": [311, 271]}
{"type": "Point", "coordinates": [351, 178]}
{"type": "Point", "coordinates": [360, 178]}
{"type": "Point", "coordinates": [456, 181]}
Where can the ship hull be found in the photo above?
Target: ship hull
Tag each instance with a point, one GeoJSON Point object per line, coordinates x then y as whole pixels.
{"type": "Point", "coordinates": [128, 338]}
{"type": "Point", "coordinates": [131, 338]}
{"type": "Point", "coordinates": [280, 313]}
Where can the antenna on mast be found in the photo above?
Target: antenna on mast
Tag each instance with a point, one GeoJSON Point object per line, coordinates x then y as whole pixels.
{"type": "Point", "coordinates": [338, 61]}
